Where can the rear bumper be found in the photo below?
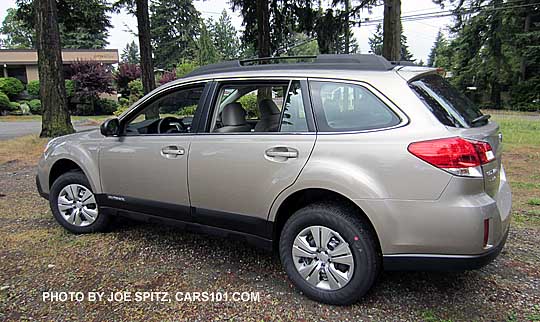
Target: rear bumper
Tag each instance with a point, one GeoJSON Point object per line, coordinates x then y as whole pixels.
{"type": "Point", "coordinates": [40, 189]}
{"type": "Point", "coordinates": [420, 262]}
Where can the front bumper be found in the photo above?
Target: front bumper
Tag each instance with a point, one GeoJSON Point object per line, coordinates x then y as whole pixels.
{"type": "Point", "coordinates": [419, 262]}
{"type": "Point", "coordinates": [40, 189]}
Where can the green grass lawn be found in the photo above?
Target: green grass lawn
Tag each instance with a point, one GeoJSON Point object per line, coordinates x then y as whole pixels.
{"type": "Point", "coordinates": [521, 157]}
{"type": "Point", "coordinates": [518, 131]}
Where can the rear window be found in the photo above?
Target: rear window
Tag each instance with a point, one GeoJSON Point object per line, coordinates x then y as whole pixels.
{"type": "Point", "coordinates": [449, 105]}
{"type": "Point", "coordinates": [341, 107]}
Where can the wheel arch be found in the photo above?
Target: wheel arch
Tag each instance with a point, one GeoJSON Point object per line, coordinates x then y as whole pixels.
{"type": "Point", "coordinates": [64, 165]}
{"type": "Point", "coordinates": [301, 198]}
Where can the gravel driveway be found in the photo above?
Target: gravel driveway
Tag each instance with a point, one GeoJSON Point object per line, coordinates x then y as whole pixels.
{"type": "Point", "coordinates": [36, 255]}
{"type": "Point", "coordinates": [9, 130]}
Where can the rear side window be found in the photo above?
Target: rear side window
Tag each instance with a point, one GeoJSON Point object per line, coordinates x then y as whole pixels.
{"type": "Point", "coordinates": [341, 107]}
{"type": "Point", "coordinates": [449, 105]}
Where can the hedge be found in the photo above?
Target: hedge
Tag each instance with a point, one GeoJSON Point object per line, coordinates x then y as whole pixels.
{"type": "Point", "coordinates": [11, 86]}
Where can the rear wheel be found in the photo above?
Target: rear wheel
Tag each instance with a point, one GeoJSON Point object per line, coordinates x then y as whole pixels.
{"type": "Point", "coordinates": [329, 253]}
{"type": "Point", "coordinates": [74, 204]}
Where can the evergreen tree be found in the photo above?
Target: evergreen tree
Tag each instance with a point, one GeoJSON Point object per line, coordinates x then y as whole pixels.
{"type": "Point", "coordinates": [17, 34]}
{"type": "Point", "coordinates": [479, 53]}
{"type": "Point", "coordinates": [56, 120]}
{"type": "Point", "coordinates": [82, 23]}
{"type": "Point", "coordinates": [405, 54]}
{"type": "Point", "coordinates": [376, 41]}
{"type": "Point", "coordinates": [376, 44]}
{"type": "Point", "coordinates": [130, 54]}
{"type": "Point", "coordinates": [174, 29]}
{"type": "Point", "coordinates": [225, 37]}
{"type": "Point", "coordinates": [207, 53]}
{"type": "Point", "coordinates": [302, 46]}
{"type": "Point", "coordinates": [439, 43]}
{"type": "Point", "coordinates": [392, 31]}
{"type": "Point", "coordinates": [139, 8]}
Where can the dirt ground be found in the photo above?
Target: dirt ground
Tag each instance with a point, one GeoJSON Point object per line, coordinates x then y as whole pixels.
{"type": "Point", "coordinates": [37, 256]}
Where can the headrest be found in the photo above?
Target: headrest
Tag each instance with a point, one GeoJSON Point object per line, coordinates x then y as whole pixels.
{"type": "Point", "coordinates": [233, 114]}
{"type": "Point", "coordinates": [268, 108]}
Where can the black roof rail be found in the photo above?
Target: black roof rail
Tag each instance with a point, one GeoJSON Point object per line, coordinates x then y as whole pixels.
{"type": "Point", "coordinates": [245, 62]}
{"type": "Point", "coordinates": [403, 63]}
{"type": "Point", "coordinates": [366, 62]}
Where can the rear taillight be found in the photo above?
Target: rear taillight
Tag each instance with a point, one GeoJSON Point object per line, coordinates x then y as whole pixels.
{"type": "Point", "coordinates": [462, 157]}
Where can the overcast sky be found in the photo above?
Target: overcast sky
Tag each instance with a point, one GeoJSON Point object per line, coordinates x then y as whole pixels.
{"type": "Point", "coordinates": [420, 34]}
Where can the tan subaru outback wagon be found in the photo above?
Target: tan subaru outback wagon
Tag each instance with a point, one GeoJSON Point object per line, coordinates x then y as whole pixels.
{"type": "Point", "coordinates": [344, 164]}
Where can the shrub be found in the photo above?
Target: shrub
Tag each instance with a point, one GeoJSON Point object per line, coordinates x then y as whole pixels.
{"type": "Point", "coordinates": [35, 106]}
{"type": "Point", "coordinates": [249, 103]}
{"type": "Point", "coordinates": [123, 106]}
{"type": "Point", "coordinates": [11, 86]}
{"type": "Point", "coordinates": [33, 88]}
{"type": "Point", "coordinates": [4, 103]}
{"type": "Point", "coordinates": [187, 111]}
{"type": "Point", "coordinates": [167, 76]}
{"type": "Point", "coordinates": [525, 95]}
{"type": "Point", "coordinates": [70, 88]}
{"type": "Point", "coordinates": [185, 67]}
{"type": "Point", "coordinates": [106, 106]}
{"type": "Point", "coordinates": [125, 74]}
{"type": "Point", "coordinates": [135, 91]}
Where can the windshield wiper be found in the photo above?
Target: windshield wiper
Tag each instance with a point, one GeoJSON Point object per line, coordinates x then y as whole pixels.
{"type": "Point", "coordinates": [481, 118]}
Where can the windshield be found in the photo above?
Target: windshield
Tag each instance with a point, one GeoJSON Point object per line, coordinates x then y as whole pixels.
{"type": "Point", "coordinates": [449, 105]}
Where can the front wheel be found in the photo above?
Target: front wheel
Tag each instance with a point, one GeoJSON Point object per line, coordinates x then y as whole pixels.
{"type": "Point", "coordinates": [329, 253]}
{"type": "Point", "coordinates": [74, 204]}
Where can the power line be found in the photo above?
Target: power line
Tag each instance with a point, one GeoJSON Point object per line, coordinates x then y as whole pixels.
{"type": "Point", "coordinates": [441, 14]}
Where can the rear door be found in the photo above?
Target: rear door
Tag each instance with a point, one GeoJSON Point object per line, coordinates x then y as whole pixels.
{"type": "Point", "coordinates": [234, 177]}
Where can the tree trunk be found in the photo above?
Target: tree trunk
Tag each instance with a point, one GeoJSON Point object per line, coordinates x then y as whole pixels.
{"type": "Point", "coordinates": [347, 27]}
{"type": "Point", "coordinates": [52, 90]}
{"type": "Point", "coordinates": [147, 66]}
{"type": "Point", "coordinates": [496, 51]}
{"type": "Point", "coordinates": [523, 62]}
{"type": "Point", "coordinates": [263, 28]}
{"type": "Point", "coordinates": [392, 29]}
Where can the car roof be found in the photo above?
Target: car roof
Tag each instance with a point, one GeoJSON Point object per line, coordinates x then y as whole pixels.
{"type": "Point", "coordinates": [321, 62]}
{"type": "Point", "coordinates": [346, 67]}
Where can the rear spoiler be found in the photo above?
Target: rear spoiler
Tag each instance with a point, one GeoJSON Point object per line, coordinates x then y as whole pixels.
{"type": "Point", "coordinates": [410, 73]}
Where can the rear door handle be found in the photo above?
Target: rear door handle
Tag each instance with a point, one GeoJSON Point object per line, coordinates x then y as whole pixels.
{"type": "Point", "coordinates": [282, 152]}
{"type": "Point", "coordinates": [173, 150]}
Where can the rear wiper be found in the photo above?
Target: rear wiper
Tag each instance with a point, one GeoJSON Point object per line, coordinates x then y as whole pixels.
{"type": "Point", "coordinates": [481, 118]}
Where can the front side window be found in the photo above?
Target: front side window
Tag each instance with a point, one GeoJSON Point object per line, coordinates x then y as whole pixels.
{"type": "Point", "coordinates": [260, 107]}
{"type": "Point", "coordinates": [170, 113]}
{"type": "Point", "coordinates": [341, 107]}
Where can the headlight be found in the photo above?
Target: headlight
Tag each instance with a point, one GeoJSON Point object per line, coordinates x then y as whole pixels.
{"type": "Point", "coordinates": [48, 145]}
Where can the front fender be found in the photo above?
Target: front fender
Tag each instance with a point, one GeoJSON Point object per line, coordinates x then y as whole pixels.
{"type": "Point", "coordinates": [81, 148]}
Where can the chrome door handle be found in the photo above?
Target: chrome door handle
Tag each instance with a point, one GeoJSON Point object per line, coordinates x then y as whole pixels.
{"type": "Point", "coordinates": [282, 152]}
{"type": "Point", "coordinates": [173, 150]}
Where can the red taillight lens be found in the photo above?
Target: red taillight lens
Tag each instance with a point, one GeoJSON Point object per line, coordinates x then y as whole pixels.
{"type": "Point", "coordinates": [456, 155]}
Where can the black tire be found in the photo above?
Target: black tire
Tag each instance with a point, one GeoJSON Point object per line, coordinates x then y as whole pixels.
{"type": "Point", "coordinates": [102, 221]}
{"type": "Point", "coordinates": [354, 230]}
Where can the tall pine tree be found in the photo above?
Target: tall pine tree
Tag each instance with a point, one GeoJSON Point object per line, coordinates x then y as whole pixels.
{"type": "Point", "coordinates": [225, 37]}
{"type": "Point", "coordinates": [174, 30]}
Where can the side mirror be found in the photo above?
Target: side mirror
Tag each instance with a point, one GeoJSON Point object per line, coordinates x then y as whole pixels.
{"type": "Point", "coordinates": [111, 127]}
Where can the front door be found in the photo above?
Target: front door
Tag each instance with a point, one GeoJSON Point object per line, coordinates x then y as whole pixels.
{"type": "Point", "coordinates": [145, 169]}
{"type": "Point", "coordinates": [259, 139]}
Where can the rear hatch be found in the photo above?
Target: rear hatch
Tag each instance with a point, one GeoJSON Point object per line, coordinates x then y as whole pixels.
{"type": "Point", "coordinates": [462, 117]}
